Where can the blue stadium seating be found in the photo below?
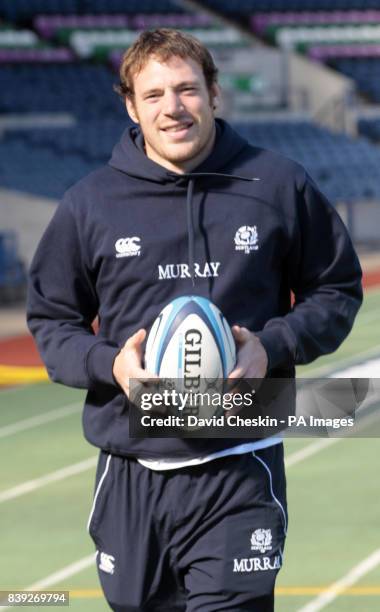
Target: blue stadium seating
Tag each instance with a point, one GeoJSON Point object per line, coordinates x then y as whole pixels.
{"type": "Point", "coordinates": [20, 10]}
{"type": "Point", "coordinates": [39, 170]}
{"type": "Point", "coordinates": [48, 161]}
{"type": "Point", "coordinates": [92, 140]}
{"type": "Point", "coordinates": [345, 169]}
{"type": "Point", "coordinates": [365, 72]}
{"type": "Point", "coordinates": [83, 89]}
{"type": "Point", "coordinates": [256, 6]}
{"type": "Point", "coordinates": [370, 128]}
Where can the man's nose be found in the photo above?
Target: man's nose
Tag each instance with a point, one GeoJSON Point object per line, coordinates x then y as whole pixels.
{"type": "Point", "coordinates": [172, 103]}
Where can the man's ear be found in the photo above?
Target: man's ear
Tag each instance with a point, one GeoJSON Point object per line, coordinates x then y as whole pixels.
{"type": "Point", "coordinates": [131, 110]}
{"type": "Point", "coordinates": [215, 95]}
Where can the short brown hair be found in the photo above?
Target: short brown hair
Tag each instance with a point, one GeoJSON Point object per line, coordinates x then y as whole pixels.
{"type": "Point", "coordinates": [163, 44]}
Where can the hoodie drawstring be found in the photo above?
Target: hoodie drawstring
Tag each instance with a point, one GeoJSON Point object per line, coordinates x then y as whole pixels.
{"type": "Point", "coordinates": [190, 227]}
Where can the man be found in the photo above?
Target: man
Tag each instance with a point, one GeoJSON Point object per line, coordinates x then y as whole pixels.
{"type": "Point", "coordinates": [187, 524]}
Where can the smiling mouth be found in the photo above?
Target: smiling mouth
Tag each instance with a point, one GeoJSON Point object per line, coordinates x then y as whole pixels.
{"type": "Point", "coordinates": [177, 128]}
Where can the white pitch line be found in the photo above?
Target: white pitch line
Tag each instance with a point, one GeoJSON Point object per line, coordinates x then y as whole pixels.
{"type": "Point", "coordinates": [322, 443]}
{"type": "Point", "coordinates": [338, 587]}
{"type": "Point", "coordinates": [60, 575]}
{"type": "Point", "coordinates": [368, 369]}
{"type": "Point", "coordinates": [37, 483]}
{"type": "Point", "coordinates": [309, 451]}
{"type": "Point", "coordinates": [39, 419]}
{"type": "Point", "coordinates": [344, 363]}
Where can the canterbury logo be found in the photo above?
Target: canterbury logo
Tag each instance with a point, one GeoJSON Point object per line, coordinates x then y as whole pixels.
{"type": "Point", "coordinates": [128, 247]}
{"type": "Point", "coordinates": [107, 563]}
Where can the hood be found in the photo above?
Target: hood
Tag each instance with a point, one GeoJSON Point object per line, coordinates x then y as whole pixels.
{"type": "Point", "coordinates": [129, 155]}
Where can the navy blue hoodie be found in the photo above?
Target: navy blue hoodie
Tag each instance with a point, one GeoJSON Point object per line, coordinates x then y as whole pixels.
{"type": "Point", "coordinates": [128, 239]}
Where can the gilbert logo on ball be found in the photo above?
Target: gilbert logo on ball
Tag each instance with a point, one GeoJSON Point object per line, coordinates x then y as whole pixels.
{"type": "Point", "coordinates": [192, 342]}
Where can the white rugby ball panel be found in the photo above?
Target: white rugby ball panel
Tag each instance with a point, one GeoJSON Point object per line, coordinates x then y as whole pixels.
{"type": "Point", "coordinates": [186, 325]}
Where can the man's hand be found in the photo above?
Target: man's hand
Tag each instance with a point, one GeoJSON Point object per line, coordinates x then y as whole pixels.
{"type": "Point", "coordinates": [252, 359]}
{"type": "Point", "coordinates": [127, 363]}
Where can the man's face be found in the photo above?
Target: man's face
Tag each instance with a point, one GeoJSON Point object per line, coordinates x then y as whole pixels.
{"type": "Point", "coordinates": [174, 108]}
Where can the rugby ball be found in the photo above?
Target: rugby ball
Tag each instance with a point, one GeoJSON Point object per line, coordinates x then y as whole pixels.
{"type": "Point", "coordinates": [191, 341]}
